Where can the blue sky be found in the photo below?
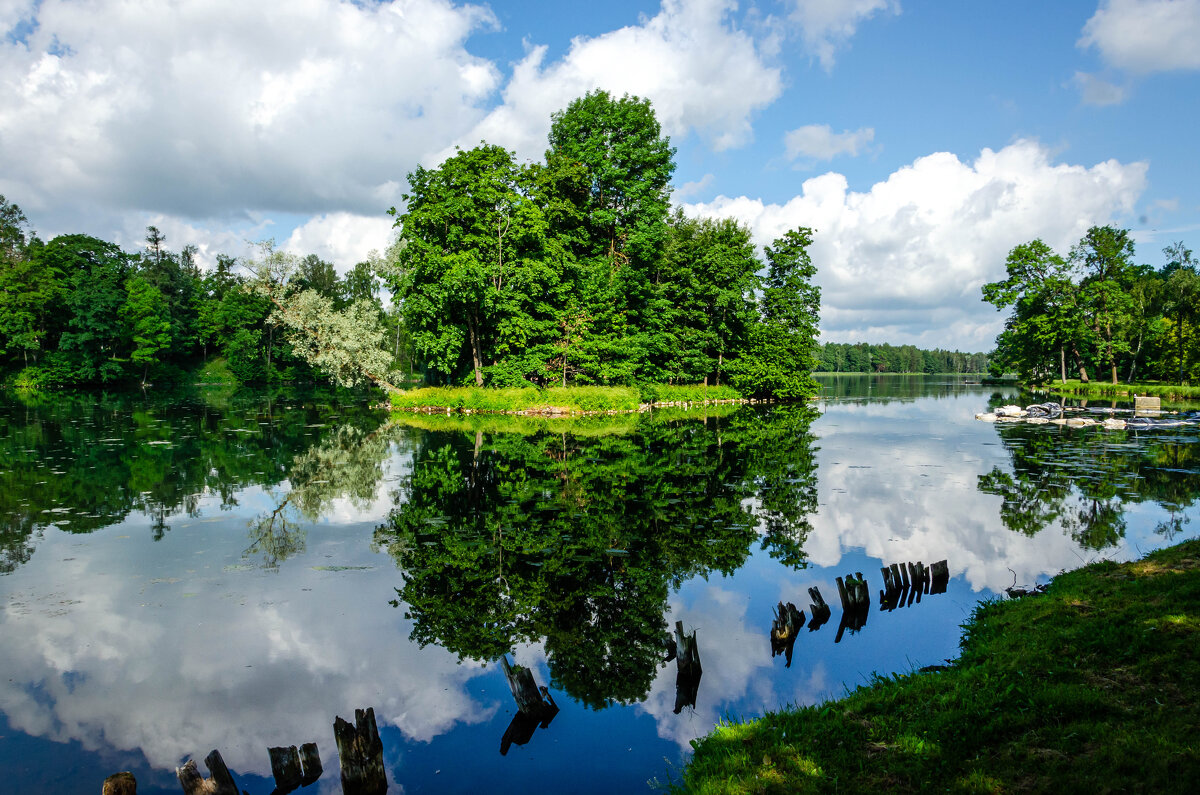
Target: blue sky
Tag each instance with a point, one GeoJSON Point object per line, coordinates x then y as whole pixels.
{"type": "Point", "coordinates": [922, 140]}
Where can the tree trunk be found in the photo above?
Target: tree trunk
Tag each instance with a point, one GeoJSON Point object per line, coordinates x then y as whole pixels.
{"type": "Point", "coordinates": [1062, 362]}
{"type": "Point", "coordinates": [1133, 363]}
{"type": "Point", "coordinates": [475, 357]}
{"type": "Point", "coordinates": [1083, 376]}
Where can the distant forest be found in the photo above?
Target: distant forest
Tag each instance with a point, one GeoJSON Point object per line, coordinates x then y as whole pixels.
{"type": "Point", "coordinates": [863, 357]}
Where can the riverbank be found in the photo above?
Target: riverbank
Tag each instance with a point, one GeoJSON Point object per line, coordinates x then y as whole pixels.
{"type": "Point", "coordinates": [1091, 686]}
{"type": "Point", "coordinates": [562, 400]}
{"type": "Point", "coordinates": [1101, 389]}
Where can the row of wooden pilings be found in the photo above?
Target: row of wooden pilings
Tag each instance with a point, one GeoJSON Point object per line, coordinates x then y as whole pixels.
{"type": "Point", "coordinates": [360, 753]}
{"type": "Point", "coordinates": [902, 584]}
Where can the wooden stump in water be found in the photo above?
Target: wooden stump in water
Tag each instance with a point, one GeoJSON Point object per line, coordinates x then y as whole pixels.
{"type": "Point", "coordinates": [525, 692]}
{"type": "Point", "coordinates": [520, 729]}
{"type": "Point", "coordinates": [788, 621]}
{"type": "Point", "coordinates": [939, 576]}
{"type": "Point", "coordinates": [120, 784]}
{"type": "Point", "coordinates": [285, 767]}
{"type": "Point", "coordinates": [219, 782]}
{"type": "Point", "coordinates": [360, 752]}
{"type": "Point", "coordinates": [820, 611]}
{"type": "Point", "coordinates": [310, 763]}
{"type": "Point", "coordinates": [687, 678]}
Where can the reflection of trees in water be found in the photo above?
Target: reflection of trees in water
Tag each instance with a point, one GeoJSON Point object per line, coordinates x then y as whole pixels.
{"type": "Point", "coordinates": [347, 464]}
{"type": "Point", "coordinates": [82, 462]}
{"type": "Point", "coordinates": [1081, 479]}
{"type": "Point", "coordinates": [577, 541]}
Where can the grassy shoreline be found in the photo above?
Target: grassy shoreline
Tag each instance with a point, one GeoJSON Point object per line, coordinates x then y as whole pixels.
{"type": "Point", "coordinates": [1090, 687]}
{"type": "Point", "coordinates": [560, 400]}
{"type": "Point", "coordinates": [1101, 389]}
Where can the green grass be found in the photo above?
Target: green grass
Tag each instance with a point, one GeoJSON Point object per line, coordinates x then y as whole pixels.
{"type": "Point", "coordinates": [688, 393]}
{"type": "Point", "coordinates": [554, 400]}
{"type": "Point", "coordinates": [528, 425]}
{"type": "Point", "coordinates": [1103, 389]}
{"type": "Point", "coordinates": [1091, 687]}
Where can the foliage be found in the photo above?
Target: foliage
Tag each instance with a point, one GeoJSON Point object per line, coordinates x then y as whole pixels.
{"type": "Point", "coordinates": [1088, 687]}
{"type": "Point", "coordinates": [573, 271]}
{"type": "Point", "coordinates": [347, 345]}
{"type": "Point", "coordinates": [147, 313]}
{"type": "Point", "coordinates": [570, 272]}
{"type": "Point", "coordinates": [783, 350]}
{"type": "Point", "coordinates": [1097, 308]}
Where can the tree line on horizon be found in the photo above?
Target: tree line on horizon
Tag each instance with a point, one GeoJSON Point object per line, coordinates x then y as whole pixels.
{"type": "Point", "coordinates": [570, 271]}
{"type": "Point", "coordinates": [1095, 312]}
{"type": "Point", "coordinates": [864, 357]}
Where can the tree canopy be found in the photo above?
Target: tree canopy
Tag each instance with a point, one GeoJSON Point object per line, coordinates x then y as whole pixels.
{"type": "Point", "coordinates": [1097, 309]}
{"type": "Point", "coordinates": [574, 271]}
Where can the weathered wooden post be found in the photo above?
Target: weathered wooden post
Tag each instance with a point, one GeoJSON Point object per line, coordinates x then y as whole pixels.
{"type": "Point", "coordinates": [120, 784]}
{"type": "Point", "coordinates": [820, 611]}
{"type": "Point", "coordinates": [1148, 404]}
{"type": "Point", "coordinates": [360, 752]}
{"type": "Point", "coordinates": [939, 576]}
{"type": "Point", "coordinates": [310, 764]}
{"type": "Point", "coordinates": [220, 781]}
{"type": "Point", "coordinates": [285, 767]}
{"type": "Point", "coordinates": [524, 690]}
{"type": "Point", "coordinates": [891, 588]}
{"type": "Point", "coordinates": [687, 678]}
{"type": "Point", "coordinates": [785, 627]}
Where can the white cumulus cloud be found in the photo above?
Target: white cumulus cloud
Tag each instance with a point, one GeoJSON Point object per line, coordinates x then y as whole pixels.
{"type": "Point", "coordinates": [204, 108]}
{"type": "Point", "coordinates": [699, 71]}
{"type": "Point", "coordinates": [344, 239]}
{"type": "Point", "coordinates": [904, 261]}
{"type": "Point", "coordinates": [819, 141]}
{"type": "Point", "coordinates": [1146, 35]}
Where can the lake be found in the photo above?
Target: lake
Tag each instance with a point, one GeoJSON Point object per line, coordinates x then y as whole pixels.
{"type": "Point", "coordinates": [230, 570]}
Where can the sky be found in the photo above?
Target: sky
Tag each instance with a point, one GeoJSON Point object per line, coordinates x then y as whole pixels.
{"type": "Point", "coordinates": [920, 140]}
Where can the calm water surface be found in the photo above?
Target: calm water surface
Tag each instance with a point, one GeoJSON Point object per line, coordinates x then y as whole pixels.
{"type": "Point", "coordinates": [232, 570]}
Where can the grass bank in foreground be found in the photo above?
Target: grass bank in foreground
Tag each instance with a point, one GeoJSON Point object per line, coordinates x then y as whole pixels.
{"type": "Point", "coordinates": [1099, 389]}
{"type": "Point", "coordinates": [1090, 687]}
{"type": "Point", "coordinates": [557, 400]}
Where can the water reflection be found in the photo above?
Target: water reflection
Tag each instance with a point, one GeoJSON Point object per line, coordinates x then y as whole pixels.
{"type": "Point", "coordinates": [579, 551]}
{"type": "Point", "coordinates": [81, 463]}
{"type": "Point", "coordinates": [1084, 480]}
{"type": "Point", "coordinates": [577, 541]}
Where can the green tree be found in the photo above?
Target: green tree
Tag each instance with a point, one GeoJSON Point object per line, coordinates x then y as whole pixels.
{"type": "Point", "coordinates": [1105, 255]}
{"type": "Point", "coordinates": [1046, 322]}
{"type": "Point", "coordinates": [97, 338]}
{"type": "Point", "coordinates": [147, 312]}
{"type": "Point", "coordinates": [471, 273]}
{"type": "Point", "coordinates": [708, 277]}
{"type": "Point", "coordinates": [782, 350]}
{"type": "Point", "coordinates": [1181, 302]}
{"type": "Point", "coordinates": [614, 165]}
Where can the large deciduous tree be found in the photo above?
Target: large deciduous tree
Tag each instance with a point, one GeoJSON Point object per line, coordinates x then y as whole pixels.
{"type": "Point", "coordinates": [471, 271]}
{"type": "Point", "coordinates": [1105, 254]}
{"type": "Point", "coordinates": [1046, 322]}
{"type": "Point", "coordinates": [783, 345]}
{"type": "Point", "coordinates": [616, 165]}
